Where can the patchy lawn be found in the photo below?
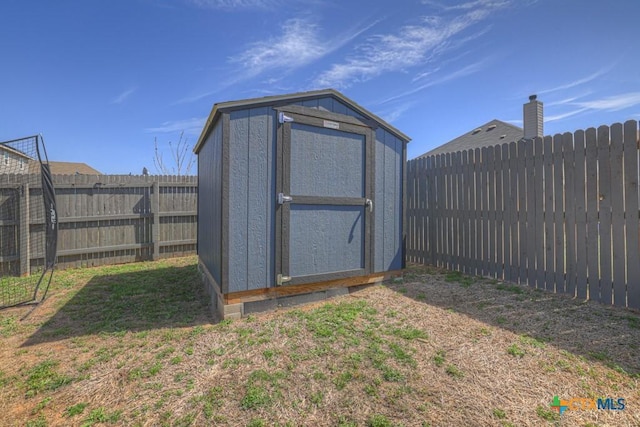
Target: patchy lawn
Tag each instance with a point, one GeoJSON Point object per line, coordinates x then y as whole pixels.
{"type": "Point", "coordinates": [134, 345]}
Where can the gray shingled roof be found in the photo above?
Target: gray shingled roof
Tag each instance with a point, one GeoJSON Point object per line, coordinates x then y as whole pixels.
{"type": "Point", "coordinates": [492, 133]}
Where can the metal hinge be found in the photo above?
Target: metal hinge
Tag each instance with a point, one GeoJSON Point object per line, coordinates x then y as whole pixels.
{"type": "Point", "coordinates": [282, 118]}
{"type": "Point", "coordinates": [282, 199]}
{"type": "Point", "coordinates": [280, 279]}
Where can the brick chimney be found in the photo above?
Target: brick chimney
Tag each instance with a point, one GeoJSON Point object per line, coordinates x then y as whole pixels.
{"type": "Point", "coordinates": [532, 118]}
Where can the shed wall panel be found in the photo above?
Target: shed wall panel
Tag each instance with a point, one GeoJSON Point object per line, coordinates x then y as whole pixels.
{"type": "Point", "coordinates": [209, 203]}
{"type": "Point", "coordinates": [251, 199]}
{"type": "Point", "coordinates": [388, 202]}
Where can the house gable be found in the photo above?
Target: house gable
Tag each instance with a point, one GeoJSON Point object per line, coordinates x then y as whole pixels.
{"type": "Point", "coordinates": [491, 133]}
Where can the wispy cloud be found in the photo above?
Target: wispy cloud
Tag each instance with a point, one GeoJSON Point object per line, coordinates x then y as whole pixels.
{"type": "Point", "coordinates": [608, 104]}
{"type": "Point", "coordinates": [612, 103]}
{"type": "Point", "coordinates": [234, 4]}
{"type": "Point", "coordinates": [566, 101]}
{"type": "Point", "coordinates": [411, 46]}
{"type": "Point", "coordinates": [468, 5]}
{"type": "Point", "coordinates": [192, 126]}
{"type": "Point", "coordinates": [123, 96]}
{"type": "Point", "coordinates": [462, 72]}
{"type": "Point", "coordinates": [298, 44]}
{"type": "Point", "coordinates": [562, 116]}
{"type": "Point", "coordinates": [394, 113]}
{"type": "Point", "coordinates": [578, 82]}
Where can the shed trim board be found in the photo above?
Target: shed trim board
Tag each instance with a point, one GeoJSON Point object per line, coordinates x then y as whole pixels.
{"type": "Point", "coordinates": [267, 293]}
{"type": "Point", "coordinates": [224, 232]}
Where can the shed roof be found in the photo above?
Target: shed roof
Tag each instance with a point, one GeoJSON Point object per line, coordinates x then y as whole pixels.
{"type": "Point", "coordinates": [72, 168]}
{"type": "Point", "coordinates": [491, 133]}
{"type": "Point", "coordinates": [221, 107]}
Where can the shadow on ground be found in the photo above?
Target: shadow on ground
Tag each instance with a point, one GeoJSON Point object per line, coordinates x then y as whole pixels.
{"type": "Point", "coordinates": [150, 298]}
{"type": "Point", "coordinates": [585, 328]}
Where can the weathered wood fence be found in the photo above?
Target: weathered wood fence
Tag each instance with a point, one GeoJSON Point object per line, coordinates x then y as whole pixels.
{"type": "Point", "coordinates": [103, 219]}
{"type": "Point", "coordinates": [558, 213]}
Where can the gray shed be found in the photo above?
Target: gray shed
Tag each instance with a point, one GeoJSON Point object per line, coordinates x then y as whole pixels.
{"type": "Point", "coordinates": [300, 197]}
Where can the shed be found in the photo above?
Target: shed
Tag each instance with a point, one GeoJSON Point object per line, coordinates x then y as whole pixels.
{"type": "Point", "coordinates": [300, 197]}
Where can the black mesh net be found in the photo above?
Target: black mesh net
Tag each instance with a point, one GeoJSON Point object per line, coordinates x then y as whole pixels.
{"type": "Point", "coordinates": [28, 222]}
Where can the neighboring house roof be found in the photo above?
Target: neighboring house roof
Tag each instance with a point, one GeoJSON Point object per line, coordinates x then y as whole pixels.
{"type": "Point", "coordinates": [290, 98]}
{"type": "Point", "coordinates": [72, 168]}
{"type": "Point", "coordinates": [10, 149]}
{"type": "Point", "coordinates": [492, 133]}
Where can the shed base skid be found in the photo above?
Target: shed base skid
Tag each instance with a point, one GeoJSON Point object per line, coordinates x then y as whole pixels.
{"type": "Point", "coordinates": [236, 305]}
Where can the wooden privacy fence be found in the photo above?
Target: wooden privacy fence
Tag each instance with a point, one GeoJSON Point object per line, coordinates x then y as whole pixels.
{"type": "Point", "coordinates": [557, 213]}
{"type": "Point", "coordinates": [103, 219]}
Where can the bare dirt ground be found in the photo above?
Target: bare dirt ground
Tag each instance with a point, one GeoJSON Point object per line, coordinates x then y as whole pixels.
{"type": "Point", "coordinates": [134, 345]}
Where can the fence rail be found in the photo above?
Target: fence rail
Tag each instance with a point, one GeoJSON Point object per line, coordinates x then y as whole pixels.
{"type": "Point", "coordinates": [558, 213]}
{"type": "Point", "coordinates": [103, 219]}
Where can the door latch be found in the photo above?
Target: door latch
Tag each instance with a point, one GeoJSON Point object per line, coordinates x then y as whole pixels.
{"type": "Point", "coordinates": [282, 199]}
{"type": "Point", "coordinates": [369, 203]}
{"type": "Point", "coordinates": [280, 279]}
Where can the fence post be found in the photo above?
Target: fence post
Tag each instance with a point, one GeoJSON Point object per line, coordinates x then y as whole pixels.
{"type": "Point", "coordinates": [155, 228]}
{"type": "Point", "coordinates": [23, 229]}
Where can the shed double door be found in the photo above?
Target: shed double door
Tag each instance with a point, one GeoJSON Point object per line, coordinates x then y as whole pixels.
{"type": "Point", "coordinates": [324, 215]}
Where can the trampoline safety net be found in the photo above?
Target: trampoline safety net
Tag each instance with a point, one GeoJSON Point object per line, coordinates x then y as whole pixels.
{"type": "Point", "coordinates": [28, 222]}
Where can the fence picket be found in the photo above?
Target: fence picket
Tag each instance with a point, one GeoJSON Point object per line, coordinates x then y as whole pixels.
{"type": "Point", "coordinates": [473, 211]}
{"type": "Point", "coordinates": [484, 236]}
{"type": "Point", "coordinates": [455, 216]}
{"type": "Point", "coordinates": [558, 214]}
{"type": "Point", "coordinates": [499, 213]}
{"type": "Point", "coordinates": [570, 211]}
{"type": "Point", "coordinates": [593, 263]}
{"type": "Point", "coordinates": [522, 210]}
{"type": "Point", "coordinates": [632, 209]}
{"type": "Point", "coordinates": [464, 207]}
{"type": "Point", "coordinates": [538, 206]}
{"type": "Point", "coordinates": [513, 178]}
{"type": "Point", "coordinates": [507, 207]}
{"type": "Point", "coordinates": [580, 182]}
{"type": "Point", "coordinates": [604, 187]}
{"type": "Point", "coordinates": [412, 211]}
{"type": "Point", "coordinates": [491, 211]}
{"type": "Point", "coordinates": [530, 214]}
{"type": "Point", "coordinates": [549, 245]}
{"type": "Point", "coordinates": [617, 216]}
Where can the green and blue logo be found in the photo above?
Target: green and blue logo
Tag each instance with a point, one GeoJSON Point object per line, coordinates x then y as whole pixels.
{"type": "Point", "coordinates": [585, 404]}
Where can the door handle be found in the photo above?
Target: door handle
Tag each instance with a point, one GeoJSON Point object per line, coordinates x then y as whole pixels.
{"type": "Point", "coordinates": [369, 203]}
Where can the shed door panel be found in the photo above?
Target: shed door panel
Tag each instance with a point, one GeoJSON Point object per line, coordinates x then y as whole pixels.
{"type": "Point", "coordinates": [319, 153]}
{"type": "Point", "coordinates": [326, 239]}
{"type": "Point", "coordinates": [325, 229]}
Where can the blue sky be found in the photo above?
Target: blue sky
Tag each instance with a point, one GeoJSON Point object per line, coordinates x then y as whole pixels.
{"type": "Point", "coordinates": [101, 79]}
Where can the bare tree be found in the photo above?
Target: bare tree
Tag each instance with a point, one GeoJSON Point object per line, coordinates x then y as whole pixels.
{"type": "Point", "coordinates": [181, 158]}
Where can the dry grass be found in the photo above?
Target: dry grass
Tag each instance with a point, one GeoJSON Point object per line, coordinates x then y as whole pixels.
{"type": "Point", "coordinates": [133, 345]}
